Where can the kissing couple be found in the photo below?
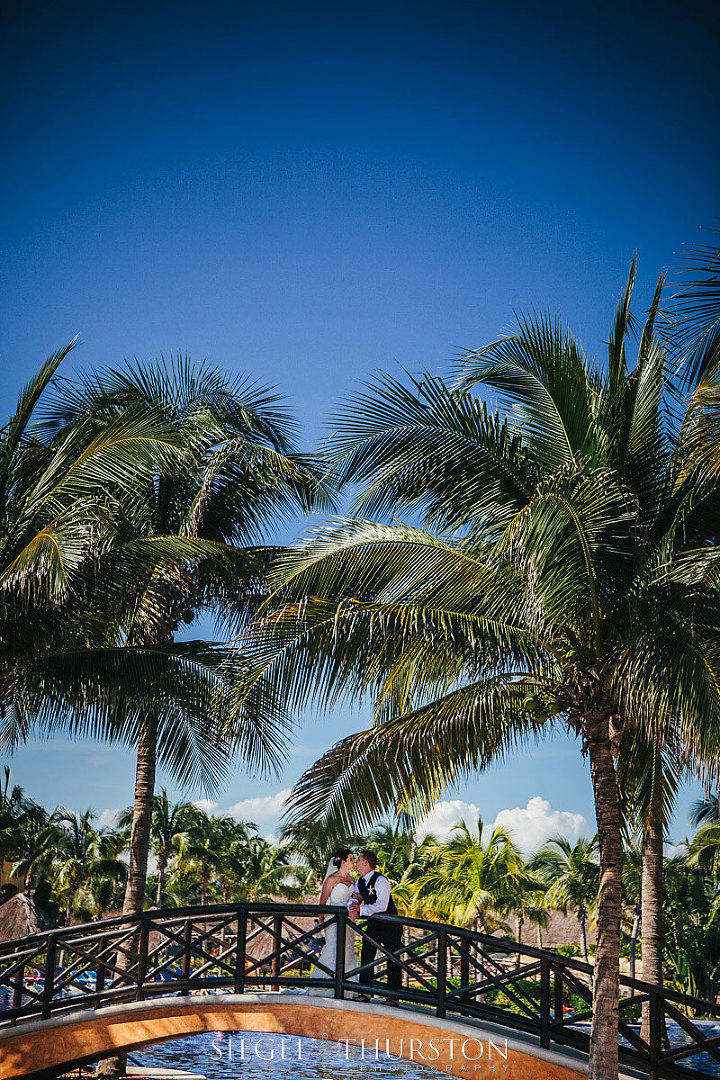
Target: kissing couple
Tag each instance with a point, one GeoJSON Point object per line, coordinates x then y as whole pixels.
{"type": "Point", "coordinates": [366, 896]}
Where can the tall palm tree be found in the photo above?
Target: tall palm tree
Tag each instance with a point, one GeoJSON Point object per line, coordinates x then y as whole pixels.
{"type": "Point", "coordinates": [632, 879]}
{"type": "Point", "coordinates": [270, 871]}
{"type": "Point", "coordinates": [571, 873]}
{"type": "Point", "coordinates": [60, 662]}
{"type": "Point", "coordinates": [563, 577]}
{"type": "Point", "coordinates": [650, 768]}
{"type": "Point", "coordinates": [190, 543]}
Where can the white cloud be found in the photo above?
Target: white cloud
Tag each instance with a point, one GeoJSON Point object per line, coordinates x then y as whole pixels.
{"type": "Point", "coordinates": [107, 819]}
{"type": "Point", "coordinates": [445, 815]}
{"type": "Point", "coordinates": [528, 826]}
{"type": "Point", "coordinates": [531, 825]}
{"type": "Point", "coordinates": [208, 806]}
{"type": "Point", "coordinates": [263, 809]}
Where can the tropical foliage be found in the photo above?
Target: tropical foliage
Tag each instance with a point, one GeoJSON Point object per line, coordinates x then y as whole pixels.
{"type": "Point", "coordinates": [561, 575]}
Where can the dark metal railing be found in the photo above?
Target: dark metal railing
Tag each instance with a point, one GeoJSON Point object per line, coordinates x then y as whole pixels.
{"type": "Point", "coordinates": [240, 948]}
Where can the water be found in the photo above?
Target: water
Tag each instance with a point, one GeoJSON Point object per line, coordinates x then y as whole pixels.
{"type": "Point", "coordinates": [224, 1056]}
{"type": "Point", "coordinates": [227, 1055]}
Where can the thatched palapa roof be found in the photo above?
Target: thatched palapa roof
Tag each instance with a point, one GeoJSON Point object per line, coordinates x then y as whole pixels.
{"type": "Point", "coordinates": [21, 916]}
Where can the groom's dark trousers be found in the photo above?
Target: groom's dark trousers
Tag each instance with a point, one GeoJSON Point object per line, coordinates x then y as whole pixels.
{"type": "Point", "coordinates": [388, 934]}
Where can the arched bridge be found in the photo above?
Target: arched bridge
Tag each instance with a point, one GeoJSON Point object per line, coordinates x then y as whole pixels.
{"type": "Point", "coordinates": [83, 992]}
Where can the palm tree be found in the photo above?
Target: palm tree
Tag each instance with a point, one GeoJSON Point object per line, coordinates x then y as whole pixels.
{"type": "Point", "coordinates": [190, 542]}
{"type": "Point", "coordinates": [82, 853]}
{"type": "Point", "coordinates": [566, 581]}
{"type": "Point", "coordinates": [60, 662]}
{"type": "Point", "coordinates": [168, 830]}
{"type": "Point", "coordinates": [235, 857]}
{"type": "Point", "coordinates": [632, 879]}
{"type": "Point", "coordinates": [472, 881]}
{"type": "Point", "coordinates": [270, 871]}
{"type": "Point", "coordinates": [20, 817]}
{"type": "Point", "coordinates": [204, 846]}
{"type": "Point", "coordinates": [571, 873]}
{"type": "Point", "coordinates": [650, 769]}
{"type": "Point", "coordinates": [692, 940]}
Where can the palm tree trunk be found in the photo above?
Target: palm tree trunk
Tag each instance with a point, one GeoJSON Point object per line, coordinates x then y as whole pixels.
{"type": "Point", "coordinates": [162, 864]}
{"type": "Point", "coordinates": [634, 938]}
{"type": "Point", "coordinates": [652, 892]}
{"type": "Point", "coordinates": [582, 919]}
{"type": "Point", "coordinates": [603, 1063]}
{"type": "Point", "coordinates": [68, 910]}
{"type": "Point", "coordinates": [142, 817]}
{"type": "Point", "coordinates": [139, 850]}
{"type": "Point", "coordinates": [539, 936]}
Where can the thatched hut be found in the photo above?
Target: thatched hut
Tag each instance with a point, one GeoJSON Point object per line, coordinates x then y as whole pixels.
{"type": "Point", "coordinates": [21, 916]}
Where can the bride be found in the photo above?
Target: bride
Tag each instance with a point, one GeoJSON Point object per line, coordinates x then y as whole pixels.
{"type": "Point", "coordinates": [337, 889]}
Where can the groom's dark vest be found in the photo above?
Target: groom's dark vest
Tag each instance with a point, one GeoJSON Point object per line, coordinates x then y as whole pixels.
{"type": "Point", "coordinates": [369, 894]}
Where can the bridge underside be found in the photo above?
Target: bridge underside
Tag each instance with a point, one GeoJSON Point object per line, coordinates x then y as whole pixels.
{"type": "Point", "coordinates": [460, 1049]}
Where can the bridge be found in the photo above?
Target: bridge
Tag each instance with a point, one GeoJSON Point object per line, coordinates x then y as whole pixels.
{"type": "Point", "coordinates": [469, 1003]}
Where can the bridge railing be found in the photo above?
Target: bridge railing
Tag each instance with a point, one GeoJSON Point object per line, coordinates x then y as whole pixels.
{"type": "Point", "coordinates": [252, 946]}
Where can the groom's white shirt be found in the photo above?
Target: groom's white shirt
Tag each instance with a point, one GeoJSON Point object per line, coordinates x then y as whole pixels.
{"type": "Point", "coordinates": [382, 888]}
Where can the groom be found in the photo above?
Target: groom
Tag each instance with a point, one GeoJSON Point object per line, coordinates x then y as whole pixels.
{"type": "Point", "coordinates": [376, 899]}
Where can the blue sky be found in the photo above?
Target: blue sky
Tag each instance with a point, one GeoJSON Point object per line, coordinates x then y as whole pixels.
{"type": "Point", "coordinates": [311, 194]}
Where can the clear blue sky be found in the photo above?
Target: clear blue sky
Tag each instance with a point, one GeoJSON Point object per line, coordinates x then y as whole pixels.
{"type": "Point", "coordinates": [312, 192]}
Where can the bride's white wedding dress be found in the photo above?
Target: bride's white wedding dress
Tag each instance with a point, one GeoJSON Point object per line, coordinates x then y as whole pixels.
{"type": "Point", "coordinates": [339, 897]}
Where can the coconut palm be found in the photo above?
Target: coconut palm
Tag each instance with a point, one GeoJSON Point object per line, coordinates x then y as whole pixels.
{"type": "Point", "coordinates": [168, 830]}
{"type": "Point", "coordinates": [204, 845]}
{"type": "Point", "coordinates": [562, 578]}
{"type": "Point", "coordinates": [571, 873]}
{"type": "Point", "coordinates": [472, 881]}
{"type": "Point", "coordinates": [191, 542]}
{"type": "Point", "coordinates": [20, 818]}
{"type": "Point", "coordinates": [632, 881]}
{"type": "Point", "coordinates": [82, 853]}
{"type": "Point", "coordinates": [650, 768]}
{"type": "Point", "coordinates": [270, 871]}
{"type": "Point", "coordinates": [692, 939]}
{"type": "Point", "coordinates": [60, 661]}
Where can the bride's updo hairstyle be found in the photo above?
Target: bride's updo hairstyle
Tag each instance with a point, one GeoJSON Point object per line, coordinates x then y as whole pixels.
{"type": "Point", "coordinates": [339, 857]}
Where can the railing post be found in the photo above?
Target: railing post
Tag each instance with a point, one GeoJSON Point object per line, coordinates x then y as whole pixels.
{"type": "Point", "coordinates": [465, 971]}
{"type": "Point", "coordinates": [441, 972]}
{"type": "Point", "coordinates": [49, 981]}
{"type": "Point", "coordinates": [143, 955]}
{"type": "Point", "coordinates": [187, 951]}
{"type": "Point", "coordinates": [558, 996]}
{"type": "Point", "coordinates": [18, 988]}
{"type": "Point", "coordinates": [545, 1002]}
{"type": "Point", "coordinates": [99, 978]}
{"type": "Point", "coordinates": [655, 1036]}
{"type": "Point", "coordinates": [340, 953]}
{"type": "Point", "coordinates": [241, 951]}
{"type": "Point", "coordinates": [277, 928]}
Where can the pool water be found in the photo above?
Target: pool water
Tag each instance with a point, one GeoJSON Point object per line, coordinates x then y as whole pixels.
{"type": "Point", "coordinates": [226, 1055]}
